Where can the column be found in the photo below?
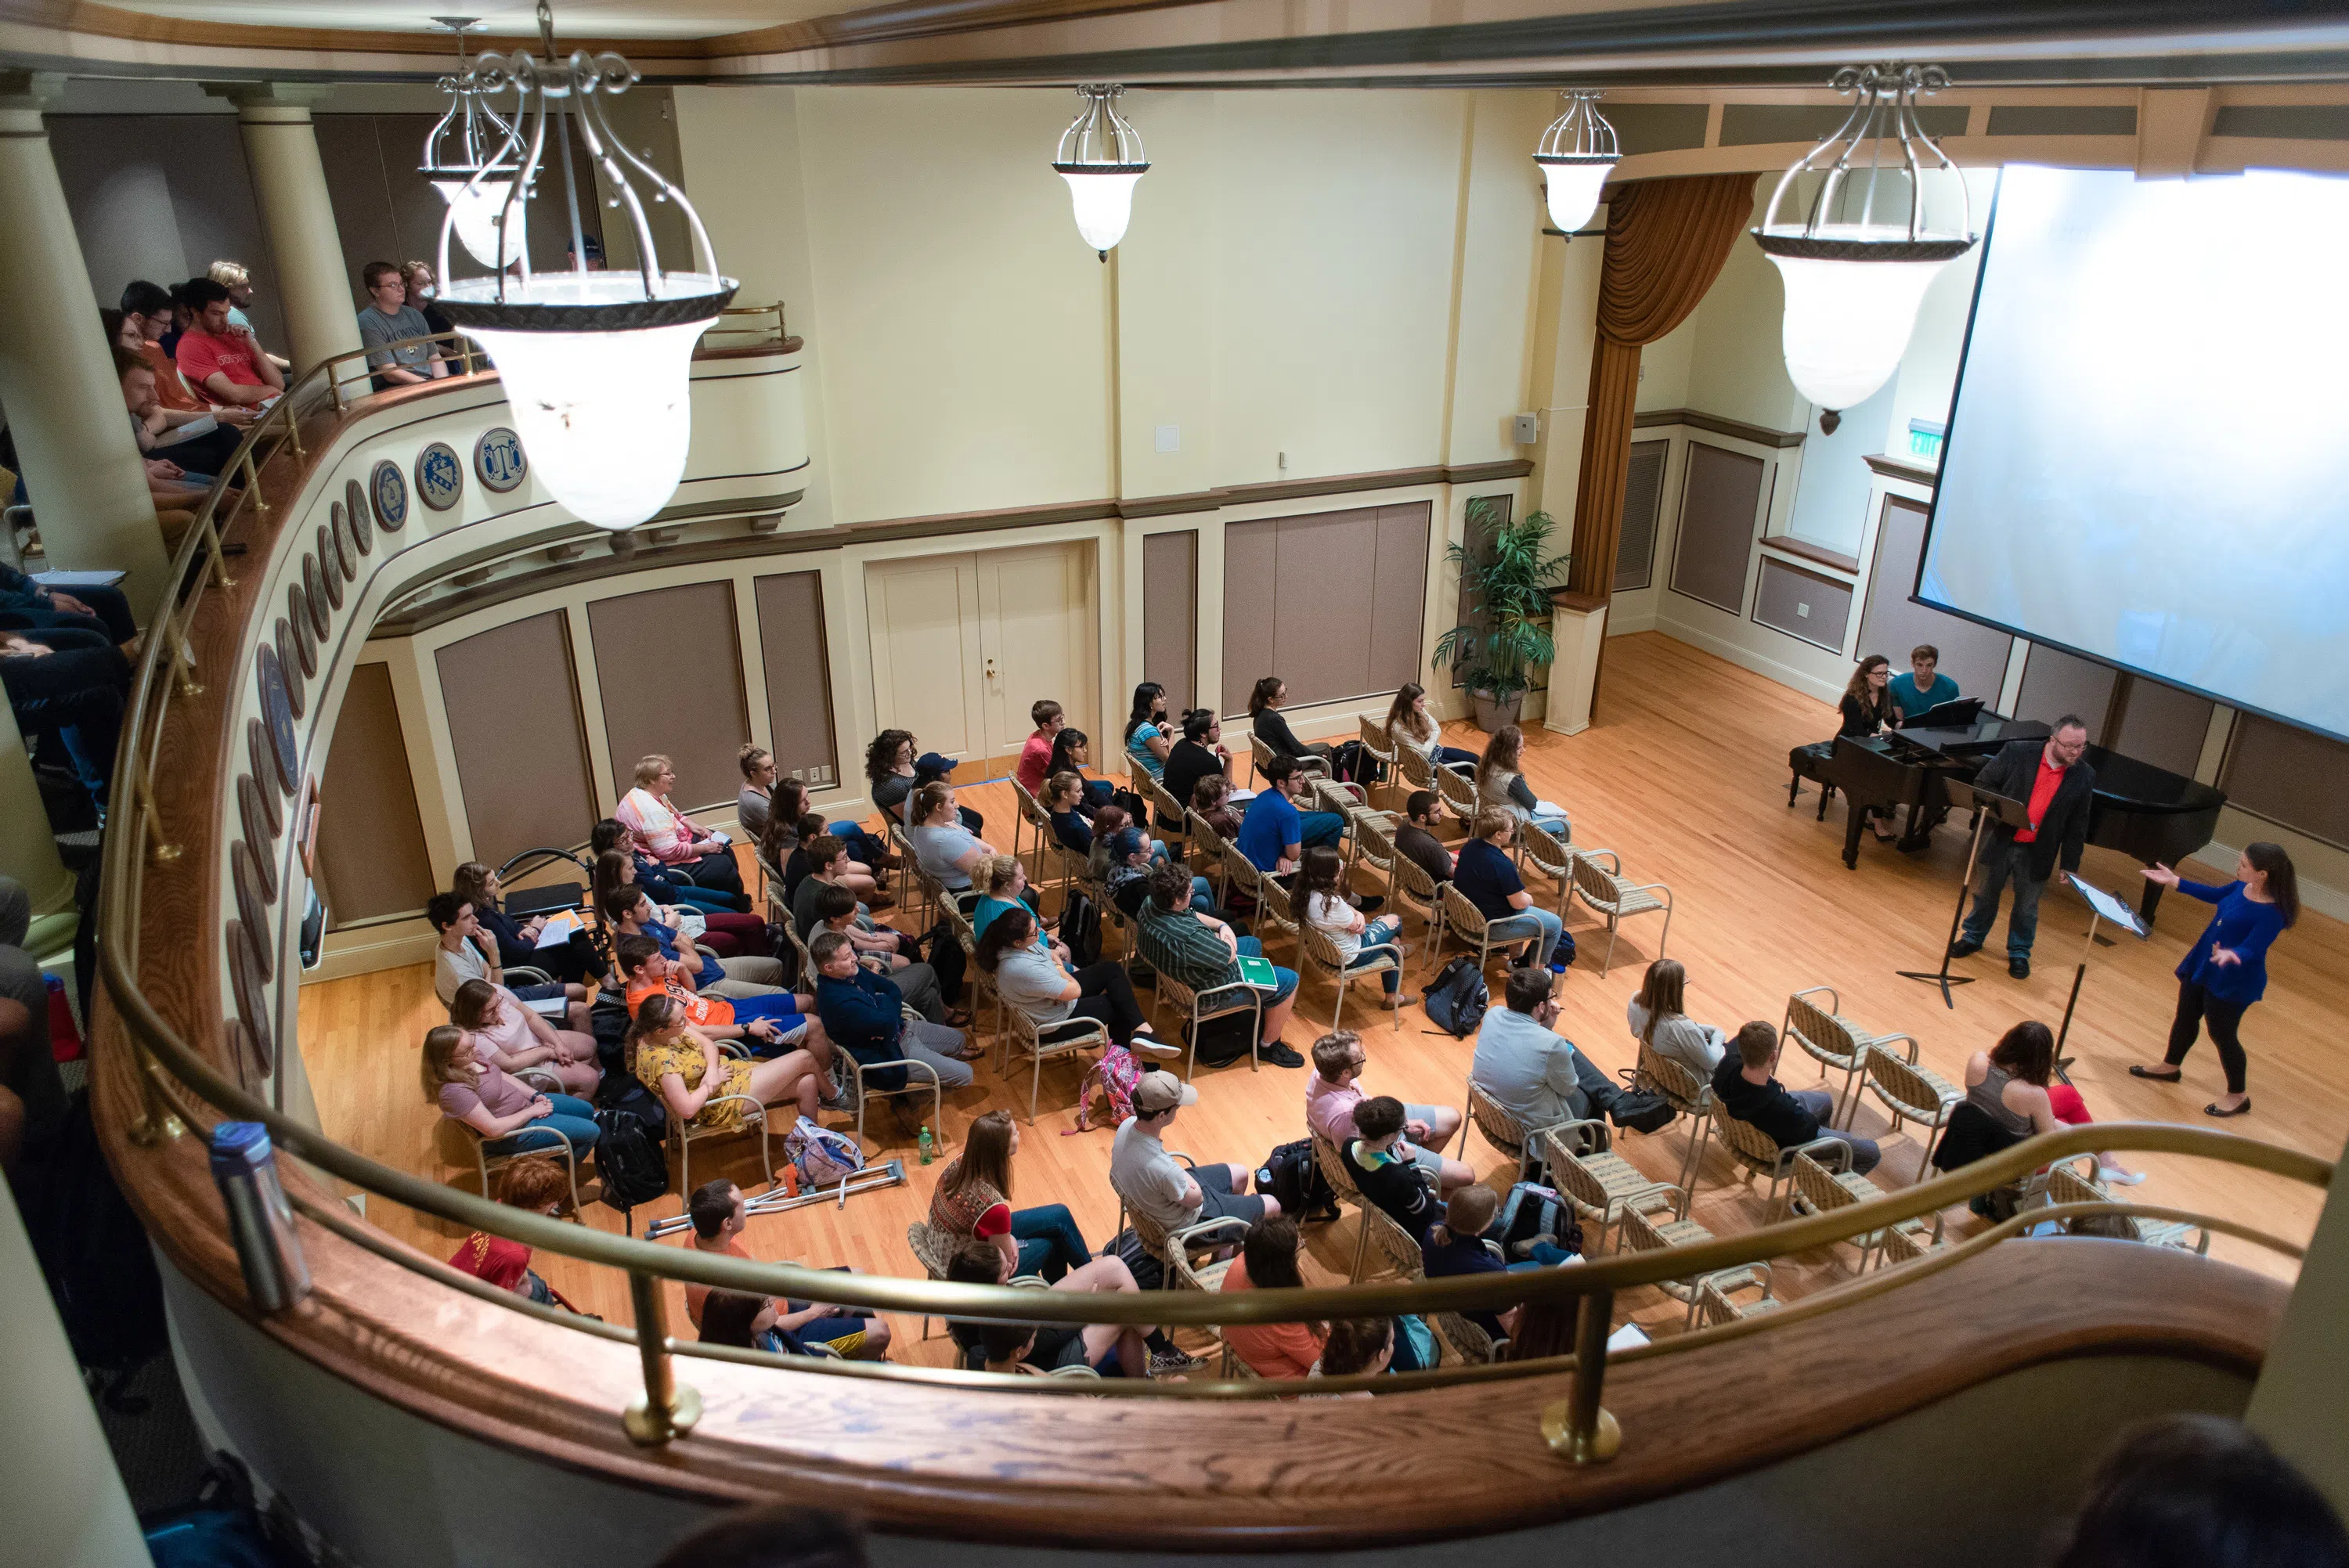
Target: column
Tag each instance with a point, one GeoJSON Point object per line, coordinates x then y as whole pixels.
{"type": "Point", "coordinates": [28, 851]}
{"type": "Point", "coordinates": [289, 185]}
{"type": "Point", "coordinates": [81, 465]}
{"type": "Point", "coordinates": [2296, 1404]}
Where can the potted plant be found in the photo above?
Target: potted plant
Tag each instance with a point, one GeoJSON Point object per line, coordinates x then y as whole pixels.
{"type": "Point", "coordinates": [1508, 574]}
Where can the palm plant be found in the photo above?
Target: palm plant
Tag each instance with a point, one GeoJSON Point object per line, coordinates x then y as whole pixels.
{"type": "Point", "coordinates": [1509, 573]}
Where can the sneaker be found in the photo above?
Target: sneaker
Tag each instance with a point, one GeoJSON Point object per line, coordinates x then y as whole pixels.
{"type": "Point", "coordinates": [1173, 1363]}
{"type": "Point", "coordinates": [1280, 1053]}
{"type": "Point", "coordinates": [1964, 947]}
{"type": "Point", "coordinates": [2019, 966]}
{"type": "Point", "coordinates": [1152, 1046]}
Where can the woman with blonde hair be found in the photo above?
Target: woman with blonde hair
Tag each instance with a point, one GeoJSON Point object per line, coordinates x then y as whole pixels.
{"type": "Point", "coordinates": [1501, 784]}
{"type": "Point", "coordinates": [973, 1198]}
{"type": "Point", "coordinates": [667, 835]}
{"type": "Point", "coordinates": [510, 1115]}
{"type": "Point", "coordinates": [1410, 725]}
{"type": "Point", "coordinates": [1658, 1017]}
{"type": "Point", "coordinates": [513, 1038]}
{"type": "Point", "coordinates": [689, 1073]}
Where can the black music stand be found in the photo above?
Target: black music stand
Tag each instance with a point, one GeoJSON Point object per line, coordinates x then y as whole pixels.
{"type": "Point", "coordinates": [1984, 805]}
{"type": "Point", "coordinates": [2102, 906]}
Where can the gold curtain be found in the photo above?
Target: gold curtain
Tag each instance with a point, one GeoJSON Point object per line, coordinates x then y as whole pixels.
{"type": "Point", "coordinates": [1666, 243]}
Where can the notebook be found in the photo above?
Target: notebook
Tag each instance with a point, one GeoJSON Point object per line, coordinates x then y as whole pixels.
{"type": "Point", "coordinates": [1256, 972]}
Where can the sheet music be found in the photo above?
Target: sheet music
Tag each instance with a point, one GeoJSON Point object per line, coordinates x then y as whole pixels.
{"type": "Point", "coordinates": [2109, 908]}
{"type": "Point", "coordinates": [559, 927]}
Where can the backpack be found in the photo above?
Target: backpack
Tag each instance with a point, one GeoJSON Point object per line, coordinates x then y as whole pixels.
{"type": "Point", "coordinates": [1564, 952]}
{"type": "Point", "coordinates": [824, 1158]}
{"type": "Point", "coordinates": [1080, 930]}
{"type": "Point", "coordinates": [1114, 1078]}
{"type": "Point", "coordinates": [608, 1022]}
{"type": "Point", "coordinates": [1456, 1001]}
{"type": "Point", "coordinates": [623, 1090]}
{"type": "Point", "coordinates": [629, 1159]}
{"type": "Point", "coordinates": [1294, 1178]}
{"type": "Point", "coordinates": [100, 1269]}
{"type": "Point", "coordinates": [1642, 1112]}
{"type": "Point", "coordinates": [1223, 1041]}
{"type": "Point", "coordinates": [1351, 764]}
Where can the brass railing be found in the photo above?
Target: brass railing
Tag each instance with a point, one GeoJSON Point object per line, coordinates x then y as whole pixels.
{"type": "Point", "coordinates": [181, 1089]}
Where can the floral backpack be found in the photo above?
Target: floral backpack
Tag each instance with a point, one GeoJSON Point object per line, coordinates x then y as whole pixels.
{"type": "Point", "coordinates": [1113, 1078]}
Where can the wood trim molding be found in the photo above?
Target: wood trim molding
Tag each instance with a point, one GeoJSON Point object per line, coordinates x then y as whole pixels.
{"type": "Point", "coordinates": [1716, 424]}
{"type": "Point", "coordinates": [1893, 468]}
{"type": "Point", "coordinates": [1568, 599]}
{"type": "Point", "coordinates": [1786, 544]}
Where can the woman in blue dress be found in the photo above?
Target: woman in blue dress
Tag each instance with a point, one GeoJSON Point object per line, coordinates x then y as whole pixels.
{"type": "Point", "coordinates": [2227, 970]}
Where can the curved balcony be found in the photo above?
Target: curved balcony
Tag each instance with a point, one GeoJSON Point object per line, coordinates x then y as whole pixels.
{"type": "Point", "coordinates": [624, 1430]}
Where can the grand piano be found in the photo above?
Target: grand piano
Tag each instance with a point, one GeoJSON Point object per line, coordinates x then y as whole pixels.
{"type": "Point", "coordinates": [2141, 810]}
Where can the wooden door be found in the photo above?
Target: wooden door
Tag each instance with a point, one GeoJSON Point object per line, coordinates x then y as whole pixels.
{"type": "Point", "coordinates": [926, 659]}
{"type": "Point", "coordinates": [1036, 636]}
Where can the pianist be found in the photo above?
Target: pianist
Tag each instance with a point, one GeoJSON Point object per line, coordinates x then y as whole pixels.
{"type": "Point", "coordinates": [1866, 707]}
{"type": "Point", "coordinates": [2056, 781]}
{"type": "Point", "coordinates": [1923, 688]}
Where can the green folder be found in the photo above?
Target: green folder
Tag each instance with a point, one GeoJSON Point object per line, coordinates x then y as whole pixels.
{"type": "Point", "coordinates": [1259, 973]}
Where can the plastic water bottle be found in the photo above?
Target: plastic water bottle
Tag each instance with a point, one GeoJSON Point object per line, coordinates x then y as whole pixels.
{"type": "Point", "coordinates": [260, 1221]}
{"type": "Point", "coordinates": [929, 1150]}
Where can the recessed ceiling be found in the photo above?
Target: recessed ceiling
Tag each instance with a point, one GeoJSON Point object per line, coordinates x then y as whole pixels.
{"type": "Point", "coordinates": [505, 18]}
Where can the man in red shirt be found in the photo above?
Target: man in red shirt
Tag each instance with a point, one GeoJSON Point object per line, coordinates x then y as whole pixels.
{"type": "Point", "coordinates": [2057, 786]}
{"type": "Point", "coordinates": [222, 361]}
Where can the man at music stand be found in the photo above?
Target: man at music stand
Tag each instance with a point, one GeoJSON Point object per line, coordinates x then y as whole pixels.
{"type": "Point", "coordinates": [1988, 807]}
{"type": "Point", "coordinates": [2055, 784]}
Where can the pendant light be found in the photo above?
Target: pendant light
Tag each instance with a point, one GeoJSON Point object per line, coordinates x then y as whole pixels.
{"type": "Point", "coordinates": [1102, 158]}
{"type": "Point", "coordinates": [595, 364]}
{"type": "Point", "coordinates": [467, 142]}
{"type": "Point", "coordinates": [1858, 263]}
{"type": "Point", "coordinates": [1577, 154]}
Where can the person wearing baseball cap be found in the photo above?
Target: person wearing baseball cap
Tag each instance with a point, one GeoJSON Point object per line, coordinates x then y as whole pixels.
{"type": "Point", "coordinates": [1153, 1182]}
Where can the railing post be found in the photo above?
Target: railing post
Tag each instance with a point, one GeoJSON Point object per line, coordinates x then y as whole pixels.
{"type": "Point", "coordinates": [668, 1408]}
{"type": "Point", "coordinates": [156, 1122]}
{"type": "Point", "coordinates": [253, 483]}
{"type": "Point", "coordinates": [1578, 1426]}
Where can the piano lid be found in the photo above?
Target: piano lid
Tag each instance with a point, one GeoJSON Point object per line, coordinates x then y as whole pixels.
{"type": "Point", "coordinates": [2140, 786]}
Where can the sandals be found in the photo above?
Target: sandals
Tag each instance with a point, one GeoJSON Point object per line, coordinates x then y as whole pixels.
{"type": "Point", "coordinates": [2213, 1109]}
{"type": "Point", "coordinates": [2170, 1077]}
{"type": "Point", "coordinates": [959, 1018]}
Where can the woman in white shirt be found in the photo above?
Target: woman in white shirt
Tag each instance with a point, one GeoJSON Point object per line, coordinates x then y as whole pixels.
{"type": "Point", "coordinates": [1410, 723]}
{"type": "Point", "coordinates": [666, 834]}
{"type": "Point", "coordinates": [1501, 786]}
{"type": "Point", "coordinates": [1324, 903]}
{"type": "Point", "coordinates": [1656, 1019]}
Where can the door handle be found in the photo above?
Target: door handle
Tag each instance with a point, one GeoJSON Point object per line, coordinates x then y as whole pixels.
{"type": "Point", "coordinates": [990, 669]}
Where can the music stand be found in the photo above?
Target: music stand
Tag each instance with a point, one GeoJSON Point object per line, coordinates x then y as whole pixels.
{"type": "Point", "coordinates": [2102, 906]}
{"type": "Point", "coordinates": [1986, 805]}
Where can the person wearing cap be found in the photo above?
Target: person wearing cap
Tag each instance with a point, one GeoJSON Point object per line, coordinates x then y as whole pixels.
{"type": "Point", "coordinates": [1153, 1182]}
{"type": "Point", "coordinates": [945, 846]}
{"type": "Point", "coordinates": [1204, 954]}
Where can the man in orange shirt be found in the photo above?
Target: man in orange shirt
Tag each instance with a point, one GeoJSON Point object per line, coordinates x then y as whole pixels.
{"type": "Point", "coordinates": [719, 1217]}
{"type": "Point", "coordinates": [772, 1024]}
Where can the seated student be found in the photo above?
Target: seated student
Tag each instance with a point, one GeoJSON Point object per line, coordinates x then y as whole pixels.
{"type": "Point", "coordinates": [146, 308]}
{"type": "Point", "coordinates": [1267, 1260]}
{"type": "Point", "coordinates": [724, 931]}
{"type": "Point", "coordinates": [1109, 820]}
{"type": "Point", "coordinates": [1154, 1184]}
{"type": "Point", "coordinates": [1488, 879]}
{"type": "Point", "coordinates": [889, 771]}
{"type": "Point", "coordinates": [945, 848]}
{"type": "Point", "coordinates": [1072, 753]}
{"type": "Point", "coordinates": [416, 281]}
{"type": "Point", "coordinates": [73, 683]}
{"type": "Point", "coordinates": [1655, 1016]}
{"type": "Point", "coordinates": [792, 808]}
{"type": "Point", "coordinates": [510, 1115]}
{"type": "Point", "coordinates": [1383, 1169]}
{"type": "Point", "coordinates": [824, 862]}
{"type": "Point", "coordinates": [1005, 880]}
{"type": "Point", "coordinates": [768, 1025]}
{"type": "Point", "coordinates": [538, 1185]}
{"type": "Point", "coordinates": [612, 835]}
{"type": "Point", "coordinates": [751, 1322]}
{"type": "Point", "coordinates": [1036, 752]}
{"type": "Point", "coordinates": [1126, 857]}
{"type": "Point", "coordinates": [466, 951]}
{"type": "Point", "coordinates": [1212, 798]}
{"type": "Point", "coordinates": [1204, 954]}
{"type": "Point", "coordinates": [720, 1215]}
{"type": "Point", "coordinates": [1325, 903]}
{"type": "Point", "coordinates": [1456, 1246]}
{"type": "Point", "coordinates": [201, 455]}
{"type": "Point", "coordinates": [1531, 1070]}
{"type": "Point", "coordinates": [667, 835]}
{"type": "Point", "coordinates": [1920, 689]}
{"type": "Point", "coordinates": [1197, 754]}
{"type": "Point", "coordinates": [2010, 1083]}
{"type": "Point", "coordinates": [1146, 738]}
{"type": "Point", "coordinates": [511, 1037]}
{"type": "Point", "coordinates": [865, 1015]}
{"type": "Point", "coordinates": [1274, 834]}
{"type": "Point", "coordinates": [1064, 801]}
{"type": "Point", "coordinates": [1334, 1091]}
{"type": "Point", "coordinates": [1356, 1346]}
{"type": "Point", "coordinates": [385, 322]}
{"type": "Point", "coordinates": [1501, 785]}
{"type": "Point", "coordinates": [1111, 1349]}
{"type": "Point", "coordinates": [751, 802]}
{"type": "Point", "coordinates": [28, 605]}
{"type": "Point", "coordinates": [1422, 812]}
{"type": "Point", "coordinates": [1411, 725]}
{"type": "Point", "coordinates": [884, 951]}
{"type": "Point", "coordinates": [630, 914]}
{"type": "Point", "coordinates": [237, 278]}
{"type": "Point", "coordinates": [1265, 719]}
{"type": "Point", "coordinates": [1036, 979]}
{"type": "Point", "coordinates": [571, 961]}
{"type": "Point", "coordinates": [935, 768]}
{"type": "Point", "coordinates": [683, 1064]}
{"type": "Point", "coordinates": [973, 1199]}
{"type": "Point", "coordinates": [1745, 1089]}
{"type": "Point", "coordinates": [220, 359]}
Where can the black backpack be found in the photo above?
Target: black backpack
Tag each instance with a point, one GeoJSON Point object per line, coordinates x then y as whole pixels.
{"type": "Point", "coordinates": [1457, 1000]}
{"type": "Point", "coordinates": [1294, 1178]}
{"type": "Point", "coordinates": [100, 1269]}
{"type": "Point", "coordinates": [1081, 929]}
{"type": "Point", "coordinates": [628, 1160]}
{"type": "Point", "coordinates": [1222, 1041]}
{"type": "Point", "coordinates": [1640, 1111]}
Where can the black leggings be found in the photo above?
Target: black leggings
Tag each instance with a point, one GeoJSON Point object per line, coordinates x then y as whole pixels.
{"type": "Point", "coordinates": [1107, 995]}
{"type": "Point", "coordinates": [2196, 1006]}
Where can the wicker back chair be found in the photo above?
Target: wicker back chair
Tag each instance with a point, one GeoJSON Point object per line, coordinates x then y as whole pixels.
{"type": "Point", "coordinates": [2067, 1185]}
{"type": "Point", "coordinates": [1039, 823]}
{"type": "Point", "coordinates": [1173, 816]}
{"type": "Point", "coordinates": [1458, 793]}
{"type": "Point", "coordinates": [1689, 1094]}
{"type": "Point", "coordinates": [1836, 1043]}
{"type": "Point", "coordinates": [1333, 1170]}
{"type": "Point", "coordinates": [1601, 1185]}
{"type": "Point", "coordinates": [1414, 891]}
{"type": "Point", "coordinates": [1376, 742]}
{"type": "Point", "coordinates": [932, 1248]}
{"type": "Point", "coordinates": [1317, 954]}
{"type": "Point", "coordinates": [1240, 875]}
{"type": "Point", "coordinates": [1913, 1093]}
{"type": "Point", "coordinates": [1374, 844]}
{"type": "Point", "coordinates": [1466, 1338]}
{"type": "Point", "coordinates": [1502, 1130]}
{"type": "Point", "coordinates": [485, 1161]}
{"type": "Point", "coordinates": [1464, 920]}
{"type": "Point", "coordinates": [1169, 1247]}
{"type": "Point", "coordinates": [1716, 1305]}
{"type": "Point", "coordinates": [1824, 1182]}
{"type": "Point", "coordinates": [1396, 1249]}
{"type": "Point", "coordinates": [902, 848]}
{"type": "Point", "coordinates": [1023, 1037]}
{"type": "Point", "coordinates": [1274, 912]}
{"type": "Point", "coordinates": [1753, 1150]}
{"type": "Point", "coordinates": [1411, 766]}
{"type": "Point", "coordinates": [1904, 1247]}
{"type": "Point", "coordinates": [1539, 848]}
{"type": "Point", "coordinates": [684, 1134]}
{"type": "Point", "coordinates": [1207, 848]}
{"type": "Point", "coordinates": [1609, 892]}
{"type": "Point", "coordinates": [1643, 1234]}
{"type": "Point", "coordinates": [920, 1076]}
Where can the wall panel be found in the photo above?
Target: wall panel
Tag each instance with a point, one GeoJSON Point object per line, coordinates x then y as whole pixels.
{"type": "Point", "coordinates": [1169, 615]}
{"type": "Point", "coordinates": [2289, 776]}
{"type": "Point", "coordinates": [798, 662]}
{"type": "Point", "coordinates": [670, 665]}
{"type": "Point", "coordinates": [371, 856]}
{"type": "Point", "coordinates": [1643, 505]}
{"type": "Point", "coordinates": [1717, 520]}
{"type": "Point", "coordinates": [512, 702]}
{"type": "Point", "coordinates": [1249, 606]}
{"type": "Point", "coordinates": [1973, 655]}
{"type": "Point", "coordinates": [1803, 604]}
{"type": "Point", "coordinates": [2055, 683]}
{"type": "Point", "coordinates": [1331, 601]}
{"type": "Point", "coordinates": [2161, 725]}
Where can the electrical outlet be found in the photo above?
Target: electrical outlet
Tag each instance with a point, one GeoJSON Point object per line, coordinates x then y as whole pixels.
{"type": "Point", "coordinates": [1284, 462]}
{"type": "Point", "coordinates": [1167, 438]}
{"type": "Point", "coordinates": [1804, 611]}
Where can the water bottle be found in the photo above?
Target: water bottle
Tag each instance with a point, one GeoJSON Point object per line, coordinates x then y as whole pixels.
{"type": "Point", "coordinates": [928, 1149]}
{"type": "Point", "coordinates": [260, 1221]}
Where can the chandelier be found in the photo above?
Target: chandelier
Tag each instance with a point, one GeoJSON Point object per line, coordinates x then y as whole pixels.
{"type": "Point", "coordinates": [595, 364]}
{"type": "Point", "coordinates": [466, 143]}
{"type": "Point", "coordinates": [1102, 158]}
{"type": "Point", "coordinates": [1857, 264]}
{"type": "Point", "coordinates": [1577, 154]}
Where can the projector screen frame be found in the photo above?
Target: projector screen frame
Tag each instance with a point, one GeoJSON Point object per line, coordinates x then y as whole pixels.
{"type": "Point", "coordinates": [1934, 517]}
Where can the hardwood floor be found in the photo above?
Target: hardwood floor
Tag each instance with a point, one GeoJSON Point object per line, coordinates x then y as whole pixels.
{"type": "Point", "coordinates": [1684, 774]}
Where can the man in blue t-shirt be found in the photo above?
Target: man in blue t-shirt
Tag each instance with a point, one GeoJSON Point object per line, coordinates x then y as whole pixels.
{"type": "Point", "coordinates": [1274, 834]}
{"type": "Point", "coordinates": [1922, 688]}
{"type": "Point", "coordinates": [1485, 874]}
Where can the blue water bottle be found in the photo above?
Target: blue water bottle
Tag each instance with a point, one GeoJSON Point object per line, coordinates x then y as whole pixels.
{"type": "Point", "coordinates": [260, 1219]}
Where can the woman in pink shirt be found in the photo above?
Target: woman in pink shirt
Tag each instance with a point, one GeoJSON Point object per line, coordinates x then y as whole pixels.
{"type": "Point", "coordinates": [665, 833]}
{"type": "Point", "coordinates": [506, 1034]}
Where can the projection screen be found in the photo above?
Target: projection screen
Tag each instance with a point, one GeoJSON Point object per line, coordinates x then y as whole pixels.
{"type": "Point", "coordinates": [2148, 459]}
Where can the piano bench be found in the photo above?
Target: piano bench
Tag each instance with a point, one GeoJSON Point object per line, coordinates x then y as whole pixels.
{"type": "Point", "coordinates": [1810, 762]}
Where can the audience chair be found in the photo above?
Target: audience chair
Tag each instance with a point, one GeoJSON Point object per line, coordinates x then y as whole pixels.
{"type": "Point", "coordinates": [1754, 1153]}
{"type": "Point", "coordinates": [1199, 1008]}
{"type": "Point", "coordinates": [1503, 1131]}
{"type": "Point", "coordinates": [804, 974]}
{"type": "Point", "coordinates": [684, 1134]}
{"type": "Point", "coordinates": [1274, 913]}
{"type": "Point", "coordinates": [1171, 818]}
{"type": "Point", "coordinates": [1076, 1369]}
{"type": "Point", "coordinates": [1904, 1247]}
{"type": "Point", "coordinates": [1641, 1234]}
{"type": "Point", "coordinates": [933, 1249]}
{"type": "Point", "coordinates": [1333, 1170]}
{"type": "Point", "coordinates": [902, 848]}
{"type": "Point", "coordinates": [1259, 753]}
{"type": "Point", "coordinates": [1913, 1093]}
{"type": "Point", "coordinates": [1612, 894]}
{"type": "Point", "coordinates": [2067, 1185]}
{"type": "Point", "coordinates": [1318, 956]}
{"type": "Point", "coordinates": [919, 1075]}
{"type": "Point", "coordinates": [1374, 845]}
{"type": "Point", "coordinates": [485, 1161]}
{"type": "Point", "coordinates": [1163, 1246]}
{"type": "Point", "coordinates": [1207, 843]}
{"type": "Point", "coordinates": [1207, 1275]}
{"type": "Point", "coordinates": [1835, 1042]}
{"type": "Point", "coordinates": [1039, 823]}
{"type": "Point", "coordinates": [1716, 1308]}
{"type": "Point", "coordinates": [1415, 771]}
{"type": "Point", "coordinates": [1022, 1036]}
{"type": "Point", "coordinates": [1376, 739]}
{"type": "Point", "coordinates": [1413, 892]}
{"type": "Point", "coordinates": [1464, 920]}
{"type": "Point", "coordinates": [1689, 1094]}
{"type": "Point", "coordinates": [1824, 1182]}
{"type": "Point", "coordinates": [1458, 793]}
{"type": "Point", "coordinates": [1539, 848]}
{"type": "Point", "coordinates": [1396, 1249]}
{"type": "Point", "coordinates": [1601, 1185]}
{"type": "Point", "coordinates": [1464, 1338]}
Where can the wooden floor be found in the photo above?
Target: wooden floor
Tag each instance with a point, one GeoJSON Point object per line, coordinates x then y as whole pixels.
{"type": "Point", "coordinates": [1684, 774]}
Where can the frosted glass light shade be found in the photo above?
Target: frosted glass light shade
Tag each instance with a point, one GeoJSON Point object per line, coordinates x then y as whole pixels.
{"type": "Point", "coordinates": [477, 214]}
{"type": "Point", "coordinates": [1851, 303]}
{"type": "Point", "coordinates": [1573, 187]}
{"type": "Point", "coordinates": [603, 405]}
{"type": "Point", "coordinates": [1105, 201]}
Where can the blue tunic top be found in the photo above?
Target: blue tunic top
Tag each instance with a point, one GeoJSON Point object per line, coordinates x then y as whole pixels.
{"type": "Point", "coordinates": [2244, 927]}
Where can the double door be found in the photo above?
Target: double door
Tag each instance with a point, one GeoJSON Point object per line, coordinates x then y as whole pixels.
{"type": "Point", "coordinates": [963, 643]}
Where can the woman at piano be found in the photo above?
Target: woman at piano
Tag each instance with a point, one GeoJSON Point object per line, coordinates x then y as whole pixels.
{"type": "Point", "coordinates": [1867, 708]}
{"type": "Point", "coordinates": [2226, 970]}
